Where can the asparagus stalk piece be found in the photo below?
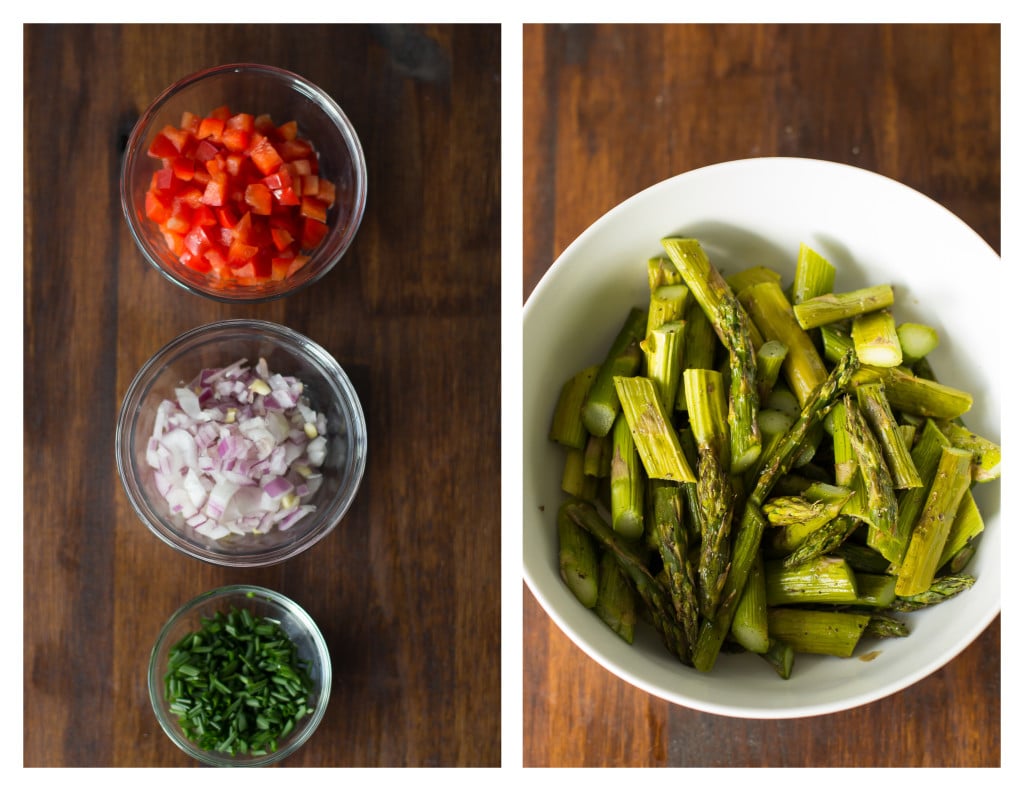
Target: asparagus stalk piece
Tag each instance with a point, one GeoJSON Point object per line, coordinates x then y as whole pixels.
{"type": "Point", "coordinates": [747, 537]}
{"type": "Point", "coordinates": [656, 439]}
{"type": "Point", "coordinates": [705, 400]}
{"type": "Point", "coordinates": [577, 558]}
{"type": "Point", "coordinates": [875, 339]}
{"type": "Point", "coordinates": [750, 623]}
{"type": "Point", "coordinates": [814, 275]}
{"type": "Point", "coordinates": [567, 422]}
{"type": "Point", "coordinates": [917, 341]}
{"type": "Point", "coordinates": [773, 424]}
{"type": "Point", "coordinates": [780, 655]}
{"type": "Point", "coordinates": [782, 399]}
{"type": "Point", "coordinates": [916, 395]}
{"type": "Point", "coordinates": [699, 345]}
{"type": "Point", "coordinates": [941, 589]}
{"type": "Point", "coordinates": [597, 456]}
{"type": "Point", "coordinates": [875, 407]}
{"type": "Point", "coordinates": [823, 580]}
{"type": "Point", "coordinates": [748, 277]}
{"type": "Point", "coordinates": [627, 482]}
{"type": "Point", "coordinates": [861, 559]}
{"type": "Point", "coordinates": [875, 590]}
{"type": "Point", "coordinates": [835, 341]}
{"type": "Point", "coordinates": [811, 414]}
{"type": "Point", "coordinates": [672, 543]}
{"type": "Point", "coordinates": [986, 455]}
{"type": "Point", "coordinates": [817, 632]}
{"type": "Point", "coordinates": [962, 558]}
{"type": "Point", "coordinates": [925, 455]}
{"type": "Point", "coordinates": [885, 626]}
{"type": "Point", "coordinates": [575, 481]}
{"type": "Point", "coordinates": [732, 326]}
{"type": "Point", "coordinates": [794, 509]}
{"type": "Point", "coordinates": [616, 600]}
{"type": "Point", "coordinates": [881, 496]}
{"type": "Point", "coordinates": [624, 358]}
{"type": "Point", "coordinates": [772, 313]}
{"type": "Point", "coordinates": [663, 358]}
{"type": "Point", "coordinates": [967, 525]}
{"type": "Point", "coordinates": [770, 358]}
{"type": "Point", "coordinates": [661, 272]}
{"type": "Point", "coordinates": [844, 458]}
{"type": "Point", "coordinates": [822, 541]}
{"type": "Point", "coordinates": [831, 308]}
{"type": "Point", "coordinates": [650, 591]}
{"type": "Point", "coordinates": [952, 478]}
{"type": "Point", "coordinates": [668, 304]}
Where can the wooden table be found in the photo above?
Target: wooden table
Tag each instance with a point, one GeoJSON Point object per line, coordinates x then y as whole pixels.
{"type": "Point", "coordinates": [406, 589]}
{"type": "Point", "coordinates": [610, 110]}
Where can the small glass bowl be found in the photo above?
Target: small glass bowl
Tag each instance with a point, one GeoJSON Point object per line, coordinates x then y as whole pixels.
{"type": "Point", "coordinates": [262, 603]}
{"type": "Point", "coordinates": [287, 352]}
{"type": "Point", "coordinates": [255, 89]}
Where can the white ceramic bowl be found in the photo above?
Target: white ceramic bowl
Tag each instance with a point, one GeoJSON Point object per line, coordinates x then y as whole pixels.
{"type": "Point", "coordinates": [748, 212]}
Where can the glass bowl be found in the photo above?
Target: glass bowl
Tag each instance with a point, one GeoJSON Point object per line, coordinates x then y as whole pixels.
{"type": "Point", "coordinates": [261, 603]}
{"type": "Point", "coordinates": [287, 352]}
{"type": "Point", "coordinates": [255, 89]}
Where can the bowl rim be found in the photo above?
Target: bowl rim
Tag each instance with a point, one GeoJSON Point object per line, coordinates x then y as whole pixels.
{"type": "Point", "coordinates": [133, 153]}
{"type": "Point", "coordinates": [356, 436]}
{"type": "Point", "coordinates": [322, 658]}
{"type": "Point", "coordinates": [538, 588]}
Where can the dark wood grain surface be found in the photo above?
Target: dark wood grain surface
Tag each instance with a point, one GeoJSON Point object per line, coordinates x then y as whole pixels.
{"type": "Point", "coordinates": [610, 110]}
{"type": "Point", "coordinates": [406, 588]}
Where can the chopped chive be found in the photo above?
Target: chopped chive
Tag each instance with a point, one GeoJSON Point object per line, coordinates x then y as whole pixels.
{"type": "Point", "coordinates": [237, 685]}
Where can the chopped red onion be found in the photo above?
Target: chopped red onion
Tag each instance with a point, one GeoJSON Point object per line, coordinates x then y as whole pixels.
{"type": "Point", "coordinates": [238, 451]}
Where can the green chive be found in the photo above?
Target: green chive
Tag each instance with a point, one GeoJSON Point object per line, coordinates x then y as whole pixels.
{"type": "Point", "coordinates": [237, 684]}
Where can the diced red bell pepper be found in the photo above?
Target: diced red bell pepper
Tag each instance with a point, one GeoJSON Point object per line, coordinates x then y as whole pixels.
{"type": "Point", "coordinates": [327, 191]}
{"type": "Point", "coordinates": [156, 209]}
{"type": "Point", "coordinates": [196, 262]}
{"type": "Point", "coordinates": [240, 252]}
{"type": "Point", "coordinates": [244, 121]}
{"type": "Point", "coordinates": [196, 241]}
{"type": "Point", "coordinates": [288, 130]}
{"type": "Point", "coordinates": [190, 122]}
{"type": "Point", "coordinates": [297, 263]}
{"type": "Point", "coordinates": [211, 128]}
{"type": "Point", "coordinates": [162, 147]}
{"type": "Point", "coordinates": [258, 198]}
{"type": "Point", "coordinates": [178, 137]}
{"type": "Point", "coordinates": [300, 167]}
{"type": "Point", "coordinates": [313, 208]}
{"type": "Point", "coordinates": [203, 216]}
{"type": "Point", "coordinates": [313, 232]}
{"type": "Point", "coordinates": [175, 241]}
{"type": "Point", "coordinates": [283, 239]}
{"type": "Point", "coordinates": [206, 150]}
{"type": "Point", "coordinates": [265, 156]}
{"type": "Point", "coordinates": [278, 180]}
{"type": "Point", "coordinates": [235, 139]}
{"type": "Point", "coordinates": [292, 150]}
{"type": "Point", "coordinates": [236, 197]}
{"type": "Point", "coordinates": [286, 197]}
{"type": "Point", "coordinates": [216, 190]}
{"type": "Point", "coordinates": [183, 168]}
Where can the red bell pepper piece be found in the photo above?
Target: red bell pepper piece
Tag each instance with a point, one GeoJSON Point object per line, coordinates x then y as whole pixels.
{"type": "Point", "coordinates": [236, 197]}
